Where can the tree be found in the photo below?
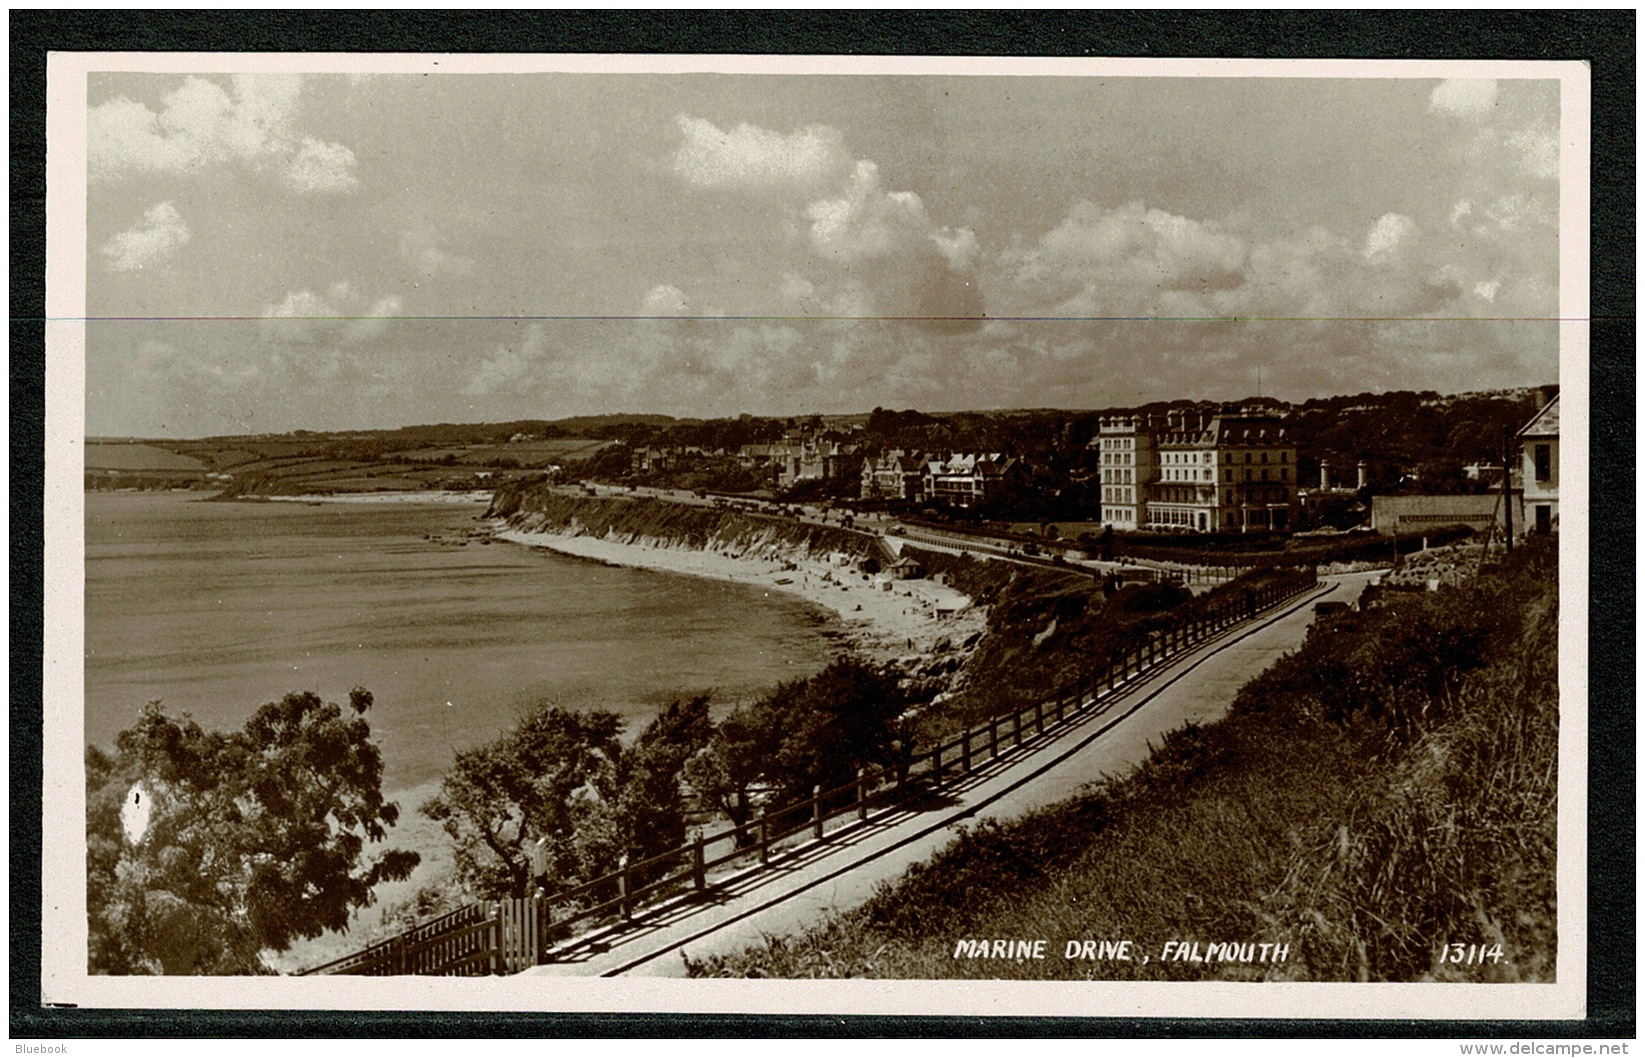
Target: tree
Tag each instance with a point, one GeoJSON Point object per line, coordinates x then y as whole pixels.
{"type": "Point", "coordinates": [205, 849]}
{"type": "Point", "coordinates": [549, 783]}
{"type": "Point", "coordinates": [832, 724]}
{"type": "Point", "coordinates": [650, 803]}
{"type": "Point", "coordinates": [734, 761]}
{"type": "Point", "coordinates": [809, 732]}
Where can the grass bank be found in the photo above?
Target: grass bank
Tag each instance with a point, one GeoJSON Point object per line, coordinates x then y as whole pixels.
{"type": "Point", "coordinates": [1386, 791]}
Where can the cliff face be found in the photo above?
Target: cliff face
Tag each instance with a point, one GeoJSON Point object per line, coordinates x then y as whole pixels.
{"type": "Point", "coordinates": [655, 523]}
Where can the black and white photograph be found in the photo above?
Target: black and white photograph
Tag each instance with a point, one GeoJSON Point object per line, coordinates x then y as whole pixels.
{"type": "Point", "coordinates": [781, 534]}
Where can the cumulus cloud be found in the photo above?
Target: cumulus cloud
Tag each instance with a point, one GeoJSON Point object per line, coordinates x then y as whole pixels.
{"type": "Point", "coordinates": [1388, 234]}
{"type": "Point", "coordinates": [159, 236]}
{"type": "Point", "coordinates": [1128, 255]}
{"type": "Point", "coordinates": [317, 327]}
{"type": "Point", "coordinates": [374, 322]}
{"type": "Point", "coordinates": [866, 220]}
{"type": "Point", "coordinates": [422, 248]}
{"type": "Point", "coordinates": [1463, 97]}
{"type": "Point", "coordinates": [200, 124]}
{"type": "Point", "coordinates": [1538, 147]}
{"type": "Point", "coordinates": [749, 156]}
{"type": "Point", "coordinates": [889, 257]}
{"type": "Point", "coordinates": [508, 364]}
{"type": "Point", "coordinates": [664, 300]}
{"type": "Point", "coordinates": [1138, 262]}
{"type": "Point", "coordinates": [322, 167]}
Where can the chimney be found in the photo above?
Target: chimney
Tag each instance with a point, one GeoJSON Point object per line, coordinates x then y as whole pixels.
{"type": "Point", "coordinates": [1324, 476]}
{"type": "Point", "coordinates": [1361, 474]}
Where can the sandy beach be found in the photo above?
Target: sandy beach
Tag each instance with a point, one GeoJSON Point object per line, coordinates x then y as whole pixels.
{"type": "Point", "coordinates": [428, 496]}
{"type": "Point", "coordinates": [888, 620]}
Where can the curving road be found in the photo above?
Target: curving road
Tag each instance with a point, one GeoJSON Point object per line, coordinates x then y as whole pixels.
{"type": "Point", "coordinates": [843, 870]}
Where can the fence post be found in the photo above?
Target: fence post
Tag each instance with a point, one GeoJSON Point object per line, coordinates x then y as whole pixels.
{"type": "Point", "coordinates": [624, 903]}
{"type": "Point", "coordinates": [764, 834]}
{"type": "Point", "coordinates": [993, 737]}
{"type": "Point", "coordinates": [1039, 717]}
{"type": "Point", "coordinates": [545, 926]}
{"type": "Point", "coordinates": [699, 875]}
{"type": "Point", "coordinates": [965, 751]}
{"type": "Point", "coordinates": [400, 954]}
{"type": "Point", "coordinates": [862, 795]}
{"type": "Point", "coordinates": [1016, 727]}
{"type": "Point", "coordinates": [816, 812]}
{"type": "Point", "coordinates": [936, 764]}
{"type": "Point", "coordinates": [494, 912]}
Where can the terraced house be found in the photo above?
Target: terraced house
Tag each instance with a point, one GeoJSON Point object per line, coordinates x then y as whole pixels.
{"type": "Point", "coordinates": [893, 475]}
{"type": "Point", "coordinates": [969, 480]}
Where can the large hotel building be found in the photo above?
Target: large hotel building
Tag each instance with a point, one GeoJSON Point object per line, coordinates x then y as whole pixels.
{"type": "Point", "coordinates": [1234, 471]}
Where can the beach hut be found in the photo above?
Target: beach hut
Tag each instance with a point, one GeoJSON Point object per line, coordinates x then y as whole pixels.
{"type": "Point", "coordinates": [907, 569]}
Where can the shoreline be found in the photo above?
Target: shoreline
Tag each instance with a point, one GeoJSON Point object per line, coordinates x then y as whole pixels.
{"type": "Point", "coordinates": [430, 496]}
{"type": "Point", "coordinates": [900, 621]}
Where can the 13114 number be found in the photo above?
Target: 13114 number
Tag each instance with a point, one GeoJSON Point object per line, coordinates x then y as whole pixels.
{"type": "Point", "coordinates": [1471, 954]}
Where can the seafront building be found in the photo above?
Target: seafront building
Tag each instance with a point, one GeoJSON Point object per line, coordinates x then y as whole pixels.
{"type": "Point", "coordinates": [1232, 471]}
{"type": "Point", "coordinates": [1128, 465]}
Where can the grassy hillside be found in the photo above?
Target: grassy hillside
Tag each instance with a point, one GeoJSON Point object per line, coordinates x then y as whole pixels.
{"type": "Point", "coordinates": [1386, 791]}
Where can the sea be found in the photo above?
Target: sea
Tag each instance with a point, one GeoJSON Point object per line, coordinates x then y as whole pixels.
{"type": "Point", "coordinates": [213, 608]}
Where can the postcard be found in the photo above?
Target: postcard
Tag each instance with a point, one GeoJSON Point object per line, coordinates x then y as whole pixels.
{"type": "Point", "coordinates": [817, 535]}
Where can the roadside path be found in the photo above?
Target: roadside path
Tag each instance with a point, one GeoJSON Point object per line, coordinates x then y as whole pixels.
{"type": "Point", "coordinates": [843, 870]}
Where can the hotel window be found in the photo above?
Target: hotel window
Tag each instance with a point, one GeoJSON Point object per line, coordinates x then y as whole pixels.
{"type": "Point", "coordinates": [1544, 462]}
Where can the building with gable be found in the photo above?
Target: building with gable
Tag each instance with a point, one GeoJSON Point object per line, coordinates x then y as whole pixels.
{"type": "Point", "coordinates": [1233, 472]}
{"type": "Point", "coordinates": [1539, 469]}
{"type": "Point", "coordinates": [970, 480]}
{"type": "Point", "coordinates": [893, 475]}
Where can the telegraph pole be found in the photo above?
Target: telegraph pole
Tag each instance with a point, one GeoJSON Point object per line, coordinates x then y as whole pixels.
{"type": "Point", "coordinates": [1507, 491]}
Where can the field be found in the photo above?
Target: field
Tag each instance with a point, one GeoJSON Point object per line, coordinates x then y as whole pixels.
{"type": "Point", "coordinates": [323, 463]}
{"type": "Point", "coordinates": [526, 453]}
{"type": "Point", "coordinates": [136, 457]}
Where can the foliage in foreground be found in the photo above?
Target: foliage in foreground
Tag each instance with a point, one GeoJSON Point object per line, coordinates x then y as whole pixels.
{"type": "Point", "coordinates": [206, 848]}
{"type": "Point", "coordinates": [562, 787]}
{"type": "Point", "coordinates": [1387, 790]}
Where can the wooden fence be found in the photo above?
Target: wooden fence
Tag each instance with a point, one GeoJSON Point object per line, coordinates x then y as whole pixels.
{"type": "Point", "coordinates": [507, 936]}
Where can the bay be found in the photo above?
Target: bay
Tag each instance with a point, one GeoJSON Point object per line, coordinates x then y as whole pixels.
{"type": "Point", "coordinates": [215, 608]}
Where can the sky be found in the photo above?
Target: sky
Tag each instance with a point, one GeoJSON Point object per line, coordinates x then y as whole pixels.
{"type": "Point", "coordinates": [326, 251]}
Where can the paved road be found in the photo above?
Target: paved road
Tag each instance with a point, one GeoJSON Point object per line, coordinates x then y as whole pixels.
{"type": "Point", "coordinates": [843, 870]}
